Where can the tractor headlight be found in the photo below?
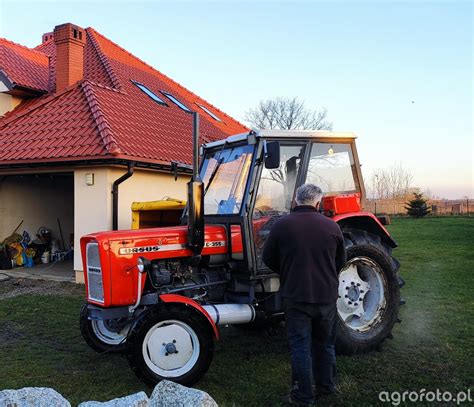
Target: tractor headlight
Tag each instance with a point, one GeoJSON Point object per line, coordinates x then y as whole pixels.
{"type": "Point", "coordinates": [143, 264]}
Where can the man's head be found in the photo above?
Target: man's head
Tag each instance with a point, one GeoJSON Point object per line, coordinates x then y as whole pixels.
{"type": "Point", "coordinates": [309, 194]}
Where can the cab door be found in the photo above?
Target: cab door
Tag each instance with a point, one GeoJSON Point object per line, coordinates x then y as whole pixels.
{"type": "Point", "coordinates": [275, 196]}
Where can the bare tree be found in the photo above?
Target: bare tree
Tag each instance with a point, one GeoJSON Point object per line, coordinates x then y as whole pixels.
{"type": "Point", "coordinates": [391, 183]}
{"type": "Point", "coordinates": [287, 114]}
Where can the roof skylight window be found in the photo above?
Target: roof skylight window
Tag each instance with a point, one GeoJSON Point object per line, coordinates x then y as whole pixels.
{"type": "Point", "coordinates": [209, 112]}
{"type": "Point", "coordinates": [176, 102]}
{"type": "Point", "coordinates": [144, 89]}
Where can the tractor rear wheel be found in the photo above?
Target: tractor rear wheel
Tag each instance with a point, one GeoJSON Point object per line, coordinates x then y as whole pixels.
{"type": "Point", "coordinates": [369, 293]}
{"type": "Point", "coordinates": [103, 335]}
{"type": "Point", "coordinates": [171, 342]}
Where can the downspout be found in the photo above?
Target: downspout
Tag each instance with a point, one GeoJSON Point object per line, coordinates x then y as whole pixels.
{"type": "Point", "coordinates": [115, 194]}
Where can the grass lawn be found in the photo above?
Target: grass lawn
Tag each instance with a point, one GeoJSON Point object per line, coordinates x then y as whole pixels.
{"type": "Point", "coordinates": [40, 342]}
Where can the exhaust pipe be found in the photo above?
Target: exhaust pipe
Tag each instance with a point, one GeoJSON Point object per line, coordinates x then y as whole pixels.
{"type": "Point", "coordinates": [196, 197]}
{"type": "Point", "coordinates": [233, 314]}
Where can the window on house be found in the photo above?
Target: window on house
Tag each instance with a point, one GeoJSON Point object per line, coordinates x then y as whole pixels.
{"type": "Point", "coordinates": [144, 89]}
{"type": "Point", "coordinates": [177, 102]}
{"type": "Point", "coordinates": [209, 112]}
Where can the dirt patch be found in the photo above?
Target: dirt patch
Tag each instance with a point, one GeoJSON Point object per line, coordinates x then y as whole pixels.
{"type": "Point", "coordinates": [13, 287]}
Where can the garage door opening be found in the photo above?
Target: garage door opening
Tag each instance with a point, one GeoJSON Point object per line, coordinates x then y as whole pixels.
{"type": "Point", "coordinates": [37, 225]}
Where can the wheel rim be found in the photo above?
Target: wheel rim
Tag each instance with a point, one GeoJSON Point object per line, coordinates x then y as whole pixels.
{"type": "Point", "coordinates": [362, 294]}
{"type": "Point", "coordinates": [106, 334]}
{"type": "Point", "coordinates": [171, 348]}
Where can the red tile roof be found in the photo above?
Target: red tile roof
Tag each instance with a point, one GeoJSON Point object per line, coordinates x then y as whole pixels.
{"type": "Point", "coordinates": [56, 127]}
{"type": "Point", "coordinates": [104, 116]}
{"type": "Point", "coordinates": [24, 66]}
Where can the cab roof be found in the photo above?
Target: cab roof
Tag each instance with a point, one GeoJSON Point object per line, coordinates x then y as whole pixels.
{"type": "Point", "coordinates": [304, 134]}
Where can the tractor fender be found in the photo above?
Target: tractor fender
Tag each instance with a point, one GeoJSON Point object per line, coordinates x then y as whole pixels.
{"type": "Point", "coordinates": [180, 299]}
{"type": "Point", "coordinates": [365, 221]}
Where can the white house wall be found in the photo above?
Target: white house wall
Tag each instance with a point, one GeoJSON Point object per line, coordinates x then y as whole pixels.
{"type": "Point", "coordinates": [145, 186]}
{"type": "Point", "coordinates": [7, 102]}
{"type": "Point", "coordinates": [93, 204]}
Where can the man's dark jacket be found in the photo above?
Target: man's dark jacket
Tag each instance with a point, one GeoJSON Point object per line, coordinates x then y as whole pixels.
{"type": "Point", "coordinates": [307, 250]}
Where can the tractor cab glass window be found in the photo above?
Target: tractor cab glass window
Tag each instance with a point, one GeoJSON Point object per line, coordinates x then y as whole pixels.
{"type": "Point", "coordinates": [332, 168]}
{"type": "Point", "coordinates": [275, 194]}
{"type": "Point", "coordinates": [277, 186]}
{"type": "Point", "coordinates": [225, 173]}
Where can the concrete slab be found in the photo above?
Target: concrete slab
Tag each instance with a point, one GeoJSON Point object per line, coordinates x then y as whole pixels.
{"type": "Point", "coordinates": [58, 271]}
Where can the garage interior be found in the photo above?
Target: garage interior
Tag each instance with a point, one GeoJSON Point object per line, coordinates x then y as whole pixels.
{"type": "Point", "coordinates": [37, 225]}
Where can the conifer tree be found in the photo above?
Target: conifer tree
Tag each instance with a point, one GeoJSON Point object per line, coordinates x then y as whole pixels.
{"type": "Point", "coordinates": [418, 207]}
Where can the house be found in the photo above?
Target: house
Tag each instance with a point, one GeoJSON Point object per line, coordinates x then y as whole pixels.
{"type": "Point", "coordinates": [86, 128]}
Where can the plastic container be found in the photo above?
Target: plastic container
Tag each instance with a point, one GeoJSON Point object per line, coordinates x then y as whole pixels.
{"type": "Point", "coordinates": [45, 258]}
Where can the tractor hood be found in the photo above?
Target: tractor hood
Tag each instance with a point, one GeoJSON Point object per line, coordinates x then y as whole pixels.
{"type": "Point", "coordinates": [156, 243]}
{"type": "Point", "coordinates": [119, 251]}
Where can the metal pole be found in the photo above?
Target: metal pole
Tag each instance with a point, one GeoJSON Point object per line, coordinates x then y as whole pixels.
{"type": "Point", "coordinates": [195, 145]}
{"type": "Point", "coordinates": [196, 197]}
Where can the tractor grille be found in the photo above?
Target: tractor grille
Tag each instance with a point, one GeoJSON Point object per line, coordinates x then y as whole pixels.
{"type": "Point", "coordinates": [94, 273]}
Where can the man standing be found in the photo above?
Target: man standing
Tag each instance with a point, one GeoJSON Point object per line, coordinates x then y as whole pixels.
{"type": "Point", "coordinates": [307, 249]}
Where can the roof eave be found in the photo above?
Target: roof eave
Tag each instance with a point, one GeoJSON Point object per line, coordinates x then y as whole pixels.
{"type": "Point", "coordinates": [16, 89]}
{"type": "Point", "coordinates": [93, 161]}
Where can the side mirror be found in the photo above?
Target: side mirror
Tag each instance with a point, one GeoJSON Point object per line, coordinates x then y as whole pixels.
{"type": "Point", "coordinates": [272, 155]}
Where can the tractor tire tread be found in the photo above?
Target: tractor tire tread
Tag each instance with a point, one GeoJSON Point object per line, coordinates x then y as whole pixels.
{"type": "Point", "coordinates": [91, 339]}
{"type": "Point", "coordinates": [348, 342]}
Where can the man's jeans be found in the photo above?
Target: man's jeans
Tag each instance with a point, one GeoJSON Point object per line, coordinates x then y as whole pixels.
{"type": "Point", "coordinates": [311, 332]}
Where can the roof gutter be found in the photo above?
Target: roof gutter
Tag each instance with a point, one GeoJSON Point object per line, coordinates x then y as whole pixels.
{"type": "Point", "coordinates": [115, 194]}
{"type": "Point", "coordinates": [80, 162]}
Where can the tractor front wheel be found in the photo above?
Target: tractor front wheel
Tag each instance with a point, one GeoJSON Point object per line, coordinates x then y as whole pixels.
{"type": "Point", "coordinates": [103, 335]}
{"type": "Point", "coordinates": [170, 342]}
{"type": "Point", "coordinates": [369, 293]}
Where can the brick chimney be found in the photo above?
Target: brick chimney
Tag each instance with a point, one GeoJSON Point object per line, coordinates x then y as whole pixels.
{"type": "Point", "coordinates": [70, 40]}
{"type": "Point", "coordinates": [46, 37]}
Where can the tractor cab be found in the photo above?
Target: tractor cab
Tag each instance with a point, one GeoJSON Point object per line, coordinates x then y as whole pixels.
{"type": "Point", "coordinates": [250, 181]}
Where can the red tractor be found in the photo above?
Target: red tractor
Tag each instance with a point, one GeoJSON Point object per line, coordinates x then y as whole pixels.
{"type": "Point", "coordinates": [159, 294]}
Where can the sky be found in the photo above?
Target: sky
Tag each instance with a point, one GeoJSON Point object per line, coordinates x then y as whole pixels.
{"type": "Point", "coordinates": [398, 74]}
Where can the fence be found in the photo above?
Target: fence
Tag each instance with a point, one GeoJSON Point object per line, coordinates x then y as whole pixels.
{"type": "Point", "coordinates": [438, 207]}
